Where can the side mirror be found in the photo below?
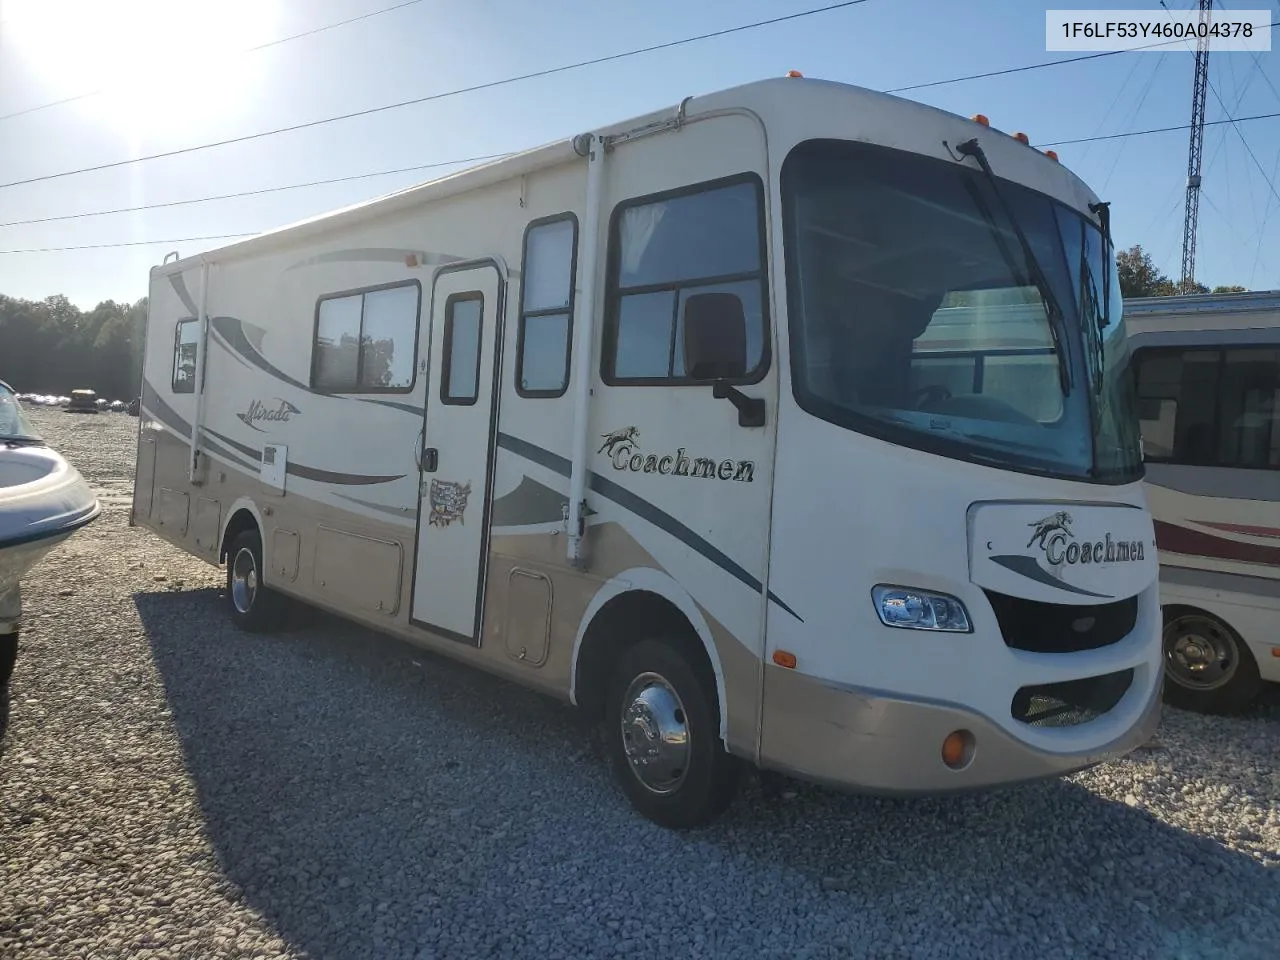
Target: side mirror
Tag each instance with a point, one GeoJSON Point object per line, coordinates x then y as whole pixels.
{"type": "Point", "coordinates": [715, 336]}
{"type": "Point", "coordinates": [715, 348]}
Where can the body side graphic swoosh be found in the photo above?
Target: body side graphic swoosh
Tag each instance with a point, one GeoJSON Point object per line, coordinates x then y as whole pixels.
{"type": "Point", "coordinates": [1193, 543]}
{"type": "Point", "coordinates": [1027, 567]}
{"type": "Point", "coordinates": [643, 509]}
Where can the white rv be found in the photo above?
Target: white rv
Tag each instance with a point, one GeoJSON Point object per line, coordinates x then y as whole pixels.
{"type": "Point", "coordinates": [1208, 379]}
{"type": "Point", "coordinates": [792, 426]}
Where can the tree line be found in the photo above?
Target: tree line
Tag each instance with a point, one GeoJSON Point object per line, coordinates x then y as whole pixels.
{"type": "Point", "coordinates": [52, 346]}
{"type": "Point", "coordinates": [1139, 277]}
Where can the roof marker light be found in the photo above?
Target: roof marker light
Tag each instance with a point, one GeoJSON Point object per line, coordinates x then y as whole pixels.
{"type": "Point", "coordinates": [795, 73]}
{"type": "Point", "coordinates": [1052, 155]}
{"type": "Point", "coordinates": [980, 118]}
{"type": "Point", "coordinates": [1022, 138]}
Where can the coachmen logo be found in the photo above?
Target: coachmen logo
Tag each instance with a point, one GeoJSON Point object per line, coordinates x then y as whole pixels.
{"type": "Point", "coordinates": [622, 447]}
{"type": "Point", "coordinates": [259, 411]}
{"type": "Point", "coordinates": [1054, 536]}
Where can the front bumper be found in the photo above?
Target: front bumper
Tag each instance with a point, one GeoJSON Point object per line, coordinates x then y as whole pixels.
{"type": "Point", "coordinates": [872, 742]}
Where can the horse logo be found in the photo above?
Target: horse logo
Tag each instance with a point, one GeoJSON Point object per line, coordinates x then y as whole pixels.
{"type": "Point", "coordinates": [1047, 525]}
{"type": "Point", "coordinates": [611, 440]}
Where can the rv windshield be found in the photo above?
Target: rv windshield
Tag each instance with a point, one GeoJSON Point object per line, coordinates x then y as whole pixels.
{"type": "Point", "coordinates": [916, 317]}
{"type": "Point", "coordinates": [14, 424]}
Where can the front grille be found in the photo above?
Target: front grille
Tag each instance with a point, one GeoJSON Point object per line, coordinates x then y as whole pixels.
{"type": "Point", "coordinates": [1061, 628]}
{"type": "Point", "coordinates": [1071, 702]}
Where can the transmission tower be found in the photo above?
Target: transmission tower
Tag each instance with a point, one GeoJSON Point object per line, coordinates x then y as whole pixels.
{"type": "Point", "coordinates": [1199, 87]}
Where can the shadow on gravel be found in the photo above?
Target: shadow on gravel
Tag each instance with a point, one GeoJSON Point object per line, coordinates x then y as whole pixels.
{"type": "Point", "coordinates": [373, 800]}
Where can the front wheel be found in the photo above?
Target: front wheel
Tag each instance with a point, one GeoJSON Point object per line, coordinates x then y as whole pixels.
{"type": "Point", "coordinates": [662, 728]}
{"type": "Point", "coordinates": [253, 607]}
{"type": "Point", "coordinates": [1208, 666]}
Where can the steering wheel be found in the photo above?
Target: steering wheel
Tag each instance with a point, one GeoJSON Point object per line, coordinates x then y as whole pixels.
{"type": "Point", "coordinates": [932, 392]}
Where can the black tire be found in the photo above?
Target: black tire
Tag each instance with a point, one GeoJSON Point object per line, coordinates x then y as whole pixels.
{"type": "Point", "coordinates": [254, 607]}
{"type": "Point", "coordinates": [708, 775]}
{"type": "Point", "coordinates": [1208, 667]}
{"type": "Point", "coordinates": [8, 657]}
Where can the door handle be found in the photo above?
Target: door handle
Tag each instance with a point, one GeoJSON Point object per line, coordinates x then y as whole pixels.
{"type": "Point", "coordinates": [430, 459]}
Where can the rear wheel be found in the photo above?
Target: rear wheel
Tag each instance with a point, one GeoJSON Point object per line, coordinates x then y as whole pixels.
{"type": "Point", "coordinates": [253, 606]}
{"type": "Point", "coordinates": [662, 730]}
{"type": "Point", "coordinates": [1208, 667]}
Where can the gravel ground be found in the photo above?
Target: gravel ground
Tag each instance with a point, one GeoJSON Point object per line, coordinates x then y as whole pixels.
{"type": "Point", "coordinates": [172, 788]}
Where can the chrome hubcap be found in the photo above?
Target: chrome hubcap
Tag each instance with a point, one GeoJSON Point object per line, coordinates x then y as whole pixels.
{"type": "Point", "coordinates": [244, 581]}
{"type": "Point", "coordinates": [1200, 654]}
{"type": "Point", "coordinates": [655, 733]}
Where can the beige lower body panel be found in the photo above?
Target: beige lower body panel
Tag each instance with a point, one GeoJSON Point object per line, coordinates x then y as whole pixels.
{"type": "Point", "coordinates": [361, 569]}
{"type": "Point", "coordinates": [866, 741]}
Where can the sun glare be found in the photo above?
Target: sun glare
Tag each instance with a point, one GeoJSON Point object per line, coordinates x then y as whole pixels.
{"type": "Point", "coordinates": [160, 64]}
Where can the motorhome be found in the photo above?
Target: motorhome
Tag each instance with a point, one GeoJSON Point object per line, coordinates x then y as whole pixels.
{"type": "Point", "coordinates": [791, 426]}
{"type": "Point", "coordinates": [1208, 381]}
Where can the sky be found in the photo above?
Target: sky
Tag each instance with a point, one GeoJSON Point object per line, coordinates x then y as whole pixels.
{"type": "Point", "coordinates": [170, 74]}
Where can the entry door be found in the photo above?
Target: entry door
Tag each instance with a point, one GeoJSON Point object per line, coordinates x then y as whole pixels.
{"type": "Point", "coordinates": [457, 451]}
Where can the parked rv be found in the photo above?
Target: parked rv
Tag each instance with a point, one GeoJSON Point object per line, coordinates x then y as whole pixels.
{"type": "Point", "coordinates": [792, 426]}
{"type": "Point", "coordinates": [1208, 380]}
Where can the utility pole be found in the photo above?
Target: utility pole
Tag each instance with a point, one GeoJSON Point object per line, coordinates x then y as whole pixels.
{"type": "Point", "coordinates": [1199, 87]}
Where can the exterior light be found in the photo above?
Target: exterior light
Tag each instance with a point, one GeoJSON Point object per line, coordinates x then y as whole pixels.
{"type": "Point", "coordinates": [980, 119]}
{"type": "Point", "coordinates": [920, 610]}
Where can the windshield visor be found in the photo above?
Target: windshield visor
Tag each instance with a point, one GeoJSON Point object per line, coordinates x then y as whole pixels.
{"type": "Point", "coordinates": [916, 315]}
{"type": "Point", "coordinates": [14, 424]}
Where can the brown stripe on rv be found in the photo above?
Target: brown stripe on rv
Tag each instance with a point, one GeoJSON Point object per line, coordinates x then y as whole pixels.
{"type": "Point", "coordinates": [1193, 543]}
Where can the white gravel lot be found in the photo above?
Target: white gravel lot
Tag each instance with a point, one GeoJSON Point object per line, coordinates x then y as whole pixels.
{"type": "Point", "coordinates": [172, 788]}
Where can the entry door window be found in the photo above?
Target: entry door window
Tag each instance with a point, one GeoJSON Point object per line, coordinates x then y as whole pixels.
{"type": "Point", "coordinates": [463, 319]}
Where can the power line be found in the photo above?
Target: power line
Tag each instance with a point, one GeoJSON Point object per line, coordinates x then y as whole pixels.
{"type": "Point", "coordinates": [1038, 66]}
{"type": "Point", "coordinates": [1143, 133]}
{"type": "Point", "coordinates": [445, 163]}
{"type": "Point", "coordinates": [134, 243]}
{"type": "Point", "coordinates": [254, 193]}
{"type": "Point", "coordinates": [488, 85]}
{"type": "Point", "coordinates": [237, 53]}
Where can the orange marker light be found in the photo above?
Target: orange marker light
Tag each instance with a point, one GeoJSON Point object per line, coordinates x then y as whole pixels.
{"type": "Point", "coordinates": [795, 73]}
{"type": "Point", "coordinates": [980, 118]}
{"type": "Point", "coordinates": [1275, 651]}
{"type": "Point", "coordinates": [1052, 155]}
{"type": "Point", "coordinates": [784, 659]}
{"type": "Point", "coordinates": [411, 260]}
{"type": "Point", "coordinates": [1022, 138]}
{"type": "Point", "coordinates": [957, 749]}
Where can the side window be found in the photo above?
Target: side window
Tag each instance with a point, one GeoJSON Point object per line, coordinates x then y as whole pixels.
{"type": "Point", "coordinates": [366, 341]}
{"type": "Point", "coordinates": [185, 342]}
{"type": "Point", "coordinates": [460, 378]}
{"type": "Point", "coordinates": [546, 307]}
{"type": "Point", "coordinates": [1249, 408]}
{"type": "Point", "coordinates": [1210, 407]}
{"type": "Point", "coordinates": [666, 254]}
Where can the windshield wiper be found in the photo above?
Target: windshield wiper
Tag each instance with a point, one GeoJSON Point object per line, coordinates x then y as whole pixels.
{"type": "Point", "coordinates": [1052, 309]}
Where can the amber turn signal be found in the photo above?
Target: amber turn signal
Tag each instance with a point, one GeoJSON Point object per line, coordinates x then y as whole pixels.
{"type": "Point", "coordinates": [784, 659]}
{"type": "Point", "coordinates": [957, 749]}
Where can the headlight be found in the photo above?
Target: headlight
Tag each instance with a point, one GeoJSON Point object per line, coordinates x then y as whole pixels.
{"type": "Point", "coordinates": [920, 609]}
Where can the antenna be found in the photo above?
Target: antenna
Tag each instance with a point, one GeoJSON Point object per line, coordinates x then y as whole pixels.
{"type": "Point", "coordinates": [1199, 87]}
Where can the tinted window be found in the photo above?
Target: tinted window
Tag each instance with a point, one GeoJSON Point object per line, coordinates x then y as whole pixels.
{"type": "Point", "coordinates": [461, 375]}
{"type": "Point", "coordinates": [366, 341]}
{"type": "Point", "coordinates": [187, 340]}
{"type": "Point", "coordinates": [1211, 407]}
{"type": "Point", "coordinates": [546, 309]}
{"type": "Point", "coordinates": [662, 251]}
